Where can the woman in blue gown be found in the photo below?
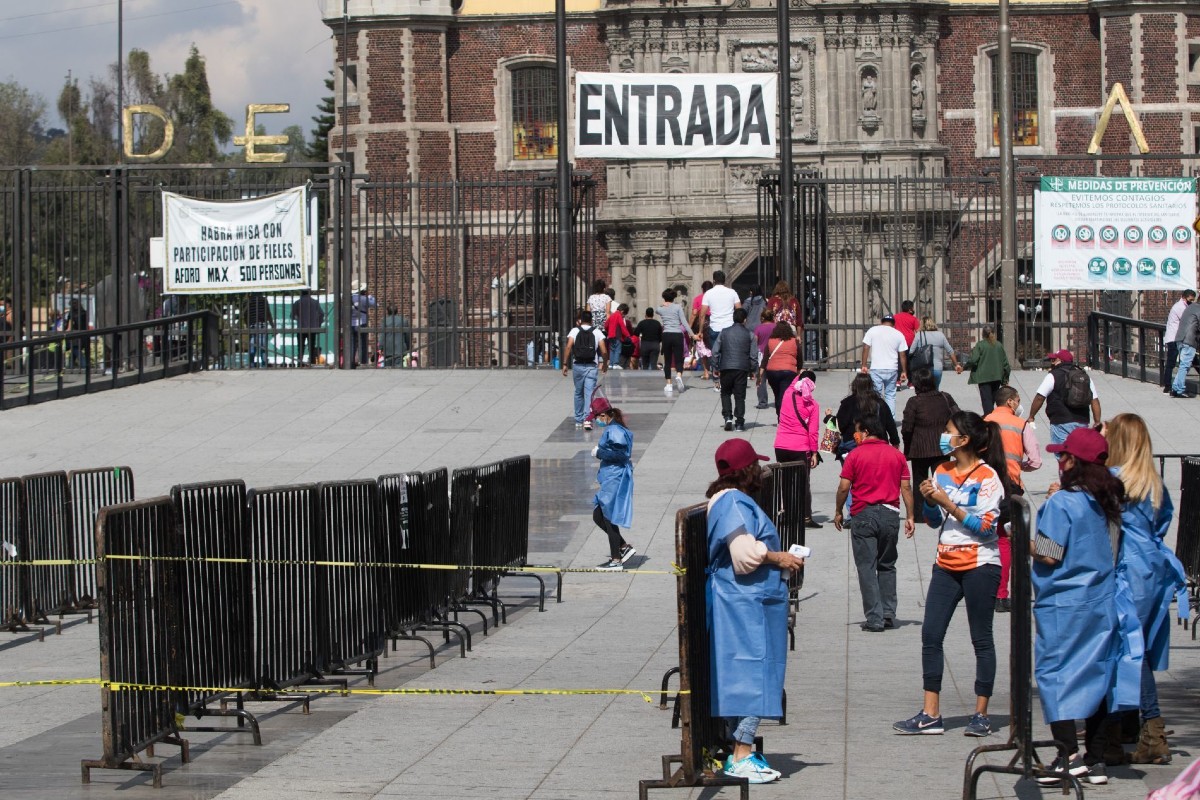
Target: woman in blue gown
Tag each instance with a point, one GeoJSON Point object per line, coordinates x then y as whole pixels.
{"type": "Point", "coordinates": [747, 607]}
{"type": "Point", "coordinates": [613, 503]}
{"type": "Point", "coordinates": [1152, 571]}
{"type": "Point", "coordinates": [1086, 664]}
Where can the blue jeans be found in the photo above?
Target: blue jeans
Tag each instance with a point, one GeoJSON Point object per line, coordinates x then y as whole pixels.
{"type": "Point", "coordinates": [584, 376]}
{"type": "Point", "coordinates": [884, 381]}
{"type": "Point", "coordinates": [614, 352]}
{"type": "Point", "coordinates": [1187, 354]}
{"type": "Point", "coordinates": [1058, 433]}
{"type": "Point", "coordinates": [937, 379]}
{"type": "Point", "coordinates": [1149, 694]}
{"type": "Point", "coordinates": [744, 729]}
{"type": "Point", "coordinates": [258, 344]}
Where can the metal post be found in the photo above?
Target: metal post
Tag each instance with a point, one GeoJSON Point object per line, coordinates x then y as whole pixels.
{"type": "Point", "coordinates": [1008, 199]}
{"type": "Point", "coordinates": [346, 331]}
{"type": "Point", "coordinates": [787, 244]}
{"type": "Point", "coordinates": [120, 82]}
{"type": "Point", "coordinates": [566, 251]}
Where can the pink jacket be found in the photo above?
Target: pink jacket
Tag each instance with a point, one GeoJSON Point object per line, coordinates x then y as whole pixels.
{"type": "Point", "coordinates": [793, 432]}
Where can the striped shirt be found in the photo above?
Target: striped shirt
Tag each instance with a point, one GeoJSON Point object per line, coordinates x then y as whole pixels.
{"type": "Point", "coordinates": [972, 542]}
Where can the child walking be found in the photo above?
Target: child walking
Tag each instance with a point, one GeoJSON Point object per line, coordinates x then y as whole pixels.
{"type": "Point", "coordinates": [614, 500]}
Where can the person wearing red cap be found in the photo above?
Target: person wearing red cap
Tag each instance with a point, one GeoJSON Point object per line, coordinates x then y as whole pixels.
{"type": "Point", "coordinates": [747, 607]}
{"type": "Point", "coordinates": [614, 499]}
{"type": "Point", "coordinates": [1055, 393]}
{"type": "Point", "coordinates": [1087, 624]}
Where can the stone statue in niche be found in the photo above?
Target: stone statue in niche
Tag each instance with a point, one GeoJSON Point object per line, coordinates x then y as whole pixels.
{"type": "Point", "coordinates": [918, 93]}
{"type": "Point", "coordinates": [870, 98]}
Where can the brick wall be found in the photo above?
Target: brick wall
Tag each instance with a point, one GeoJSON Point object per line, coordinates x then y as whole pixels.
{"type": "Point", "coordinates": [386, 81]}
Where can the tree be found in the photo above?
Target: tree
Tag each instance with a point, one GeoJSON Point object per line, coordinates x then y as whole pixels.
{"type": "Point", "coordinates": [200, 128]}
{"type": "Point", "coordinates": [21, 118]}
{"type": "Point", "coordinates": [326, 117]}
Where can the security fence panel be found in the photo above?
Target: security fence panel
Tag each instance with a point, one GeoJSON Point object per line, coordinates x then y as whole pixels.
{"type": "Point", "coordinates": [12, 550]}
{"type": "Point", "coordinates": [785, 499]}
{"type": "Point", "coordinates": [91, 490]}
{"type": "Point", "coordinates": [51, 588]}
{"type": "Point", "coordinates": [138, 548]}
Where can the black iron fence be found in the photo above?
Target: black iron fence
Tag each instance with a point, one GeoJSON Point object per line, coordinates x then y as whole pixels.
{"type": "Point", "coordinates": [1131, 348]}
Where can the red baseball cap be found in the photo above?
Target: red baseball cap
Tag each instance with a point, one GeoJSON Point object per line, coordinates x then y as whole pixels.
{"type": "Point", "coordinates": [1061, 355]}
{"type": "Point", "coordinates": [599, 406]}
{"type": "Point", "coordinates": [736, 454]}
{"type": "Point", "coordinates": [1083, 443]}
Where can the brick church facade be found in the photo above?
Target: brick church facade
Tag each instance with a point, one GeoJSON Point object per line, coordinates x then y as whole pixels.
{"type": "Point", "coordinates": [894, 98]}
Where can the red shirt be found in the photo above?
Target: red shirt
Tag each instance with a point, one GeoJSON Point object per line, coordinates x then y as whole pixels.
{"type": "Point", "coordinates": [875, 470]}
{"type": "Point", "coordinates": [907, 324]}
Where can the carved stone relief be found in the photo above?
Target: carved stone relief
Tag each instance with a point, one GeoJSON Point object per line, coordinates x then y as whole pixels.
{"type": "Point", "coordinates": [758, 55]}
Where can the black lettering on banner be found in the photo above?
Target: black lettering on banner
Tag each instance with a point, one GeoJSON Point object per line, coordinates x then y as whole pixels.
{"type": "Point", "coordinates": [727, 94]}
{"type": "Point", "coordinates": [273, 230]}
{"type": "Point", "coordinates": [698, 119]}
{"type": "Point", "coordinates": [643, 92]}
{"type": "Point", "coordinates": [248, 274]}
{"type": "Point", "coordinates": [586, 114]}
{"type": "Point", "coordinates": [668, 115]}
{"type": "Point", "coordinates": [616, 115]}
{"type": "Point", "coordinates": [756, 118]}
{"type": "Point", "coordinates": [214, 274]}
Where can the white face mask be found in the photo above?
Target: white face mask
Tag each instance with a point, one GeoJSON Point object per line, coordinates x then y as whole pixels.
{"type": "Point", "coordinates": [1020, 412]}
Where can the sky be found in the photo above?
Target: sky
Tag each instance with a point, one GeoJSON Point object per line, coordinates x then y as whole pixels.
{"type": "Point", "coordinates": [256, 51]}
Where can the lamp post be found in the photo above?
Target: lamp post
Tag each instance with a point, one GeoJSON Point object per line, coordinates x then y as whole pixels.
{"type": "Point", "coordinates": [565, 246]}
{"type": "Point", "coordinates": [1008, 199]}
{"type": "Point", "coordinates": [786, 190]}
{"type": "Point", "coordinates": [120, 81]}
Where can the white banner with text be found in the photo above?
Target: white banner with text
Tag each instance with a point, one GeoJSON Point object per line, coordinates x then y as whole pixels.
{"type": "Point", "coordinates": [656, 115]}
{"type": "Point", "coordinates": [257, 245]}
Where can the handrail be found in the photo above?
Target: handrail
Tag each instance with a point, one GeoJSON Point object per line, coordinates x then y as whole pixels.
{"type": "Point", "coordinates": [1101, 327]}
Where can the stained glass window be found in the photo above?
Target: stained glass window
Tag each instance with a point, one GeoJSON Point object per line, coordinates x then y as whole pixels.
{"type": "Point", "coordinates": [534, 101]}
{"type": "Point", "coordinates": [1025, 99]}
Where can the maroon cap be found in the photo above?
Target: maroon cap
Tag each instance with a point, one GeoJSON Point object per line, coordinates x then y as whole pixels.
{"type": "Point", "coordinates": [1061, 355]}
{"type": "Point", "coordinates": [1083, 443]}
{"type": "Point", "coordinates": [736, 454]}
{"type": "Point", "coordinates": [599, 406]}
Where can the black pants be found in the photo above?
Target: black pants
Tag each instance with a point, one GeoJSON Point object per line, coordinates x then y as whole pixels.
{"type": "Point", "coordinates": [615, 541]}
{"type": "Point", "coordinates": [784, 456]}
{"type": "Point", "coordinates": [978, 586]}
{"type": "Point", "coordinates": [733, 394]}
{"type": "Point", "coordinates": [649, 355]}
{"type": "Point", "coordinates": [360, 350]}
{"type": "Point", "coordinates": [314, 352]}
{"type": "Point", "coordinates": [1168, 366]}
{"type": "Point", "coordinates": [922, 468]}
{"type": "Point", "coordinates": [672, 353]}
{"type": "Point", "coordinates": [779, 380]}
{"type": "Point", "coordinates": [987, 395]}
{"type": "Point", "coordinates": [1094, 739]}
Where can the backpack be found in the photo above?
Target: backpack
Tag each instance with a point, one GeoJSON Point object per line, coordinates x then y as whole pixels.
{"type": "Point", "coordinates": [584, 349]}
{"type": "Point", "coordinates": [1078, 388]}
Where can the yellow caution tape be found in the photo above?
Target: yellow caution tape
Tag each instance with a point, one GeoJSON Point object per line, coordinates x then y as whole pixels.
{"type": "Point", "coordinates": [119, 686]}
{"type": "Point", "coordinates": [675, 568]}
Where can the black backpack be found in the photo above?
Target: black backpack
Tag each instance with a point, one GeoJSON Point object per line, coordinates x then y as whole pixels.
{"type": "Point", "coordinates": [1077, 385]}
{"type": "Point", "coordinates": [584, 349]}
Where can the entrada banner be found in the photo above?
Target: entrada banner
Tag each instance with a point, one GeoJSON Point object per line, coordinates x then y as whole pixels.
{"type": "Point", "coordinates": [655, 115]}
{"type": "Point", "coordinates": [1127, 234]}
{"type": "Point", "coordinates": [258, 245]}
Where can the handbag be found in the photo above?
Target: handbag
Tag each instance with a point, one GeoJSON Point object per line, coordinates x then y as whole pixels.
{"type": "Point", "coordinates": [831, 437]}
{"type": "Point", "coordinates": [921, 355]}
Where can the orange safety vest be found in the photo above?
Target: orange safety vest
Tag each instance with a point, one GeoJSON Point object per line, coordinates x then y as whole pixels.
{"type": "Point", "coordinates": [1012, 435]}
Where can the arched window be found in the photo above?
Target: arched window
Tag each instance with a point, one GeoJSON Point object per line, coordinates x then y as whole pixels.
{"type": "Point", "coordinates": [1026, 131]}
{"type": "Point", "coordinates": [534, 109]}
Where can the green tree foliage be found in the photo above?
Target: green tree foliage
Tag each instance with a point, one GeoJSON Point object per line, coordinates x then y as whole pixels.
{"type": "Point", "coordinates": [21, 120]}
{"type": "Point", "coordinates": [200, 127]}
{"type": "Point", "coordinates": [326, 117]}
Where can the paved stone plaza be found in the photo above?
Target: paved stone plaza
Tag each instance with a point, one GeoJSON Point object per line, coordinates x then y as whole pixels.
{"type": "Point", "coordinates": [613, 631]}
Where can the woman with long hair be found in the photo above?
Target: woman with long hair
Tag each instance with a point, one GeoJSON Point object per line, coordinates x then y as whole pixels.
{"type": "Point", "coordinates": [863, 401]}
{"type": "Point", "coordinates": [989, 368]}
{"type": "Point", "coordinates": [930, 348]}
{"type": "Point", "coordinates": [799, 433]}
{"type": "Point", "coordinates": [747, 607]}
{"type": "Point", "coordinates": [703, 334]}
{"type": "Point", "coordinates": [614, 499]}
{"type": "Point", "coordinates": [1153, 572]}
{"type": "Point", "coordinates": [1078, 607]}
{"type": "Point", "coordinates": [962, 500]}
{"type": "Point", "coordinates": [597, 304]}
{"type": "Point", "coordinates": [784, 304]}
{"type": "Point", "coordinates": [782, 361]}
{"type": "Point", "coordinates": [925, 416]}
{"type": "Point", "coordinates": [675, 331]}
{"type": "Point", "coordinates": [762, 333]}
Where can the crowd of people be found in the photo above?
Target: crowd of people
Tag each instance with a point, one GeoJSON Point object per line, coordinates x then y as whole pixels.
{"type": "Point", "coordinates": [1102, 577]}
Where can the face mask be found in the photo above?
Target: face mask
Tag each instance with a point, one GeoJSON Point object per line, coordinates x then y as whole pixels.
{"type": "Point", "coordinates": [859, 437]}
{"type": "Point", "coordinates": [945, 445]}
{"type": "Point", "coordinates": [601, 423]}
{"type": "Point", "coordinates": [1020, 412]}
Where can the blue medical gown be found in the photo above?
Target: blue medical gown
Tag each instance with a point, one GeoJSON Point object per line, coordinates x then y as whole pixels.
{"type": "Point", "coordinates": [615, 496]}
{"type": "Point", "coordinates": [1153, 572]}
{"type": "Point", "coordinates": [747, 615]}
{"type": "Point", "coordinates": [1083, 655]}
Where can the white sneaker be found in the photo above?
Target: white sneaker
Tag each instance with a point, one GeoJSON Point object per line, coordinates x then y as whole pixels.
{"type": "Point", "coordinates": [669, 389]}
{"type": "Point", "coordinates": [752, 769]}
{"type": "Point", "coordinates": [679, 383]}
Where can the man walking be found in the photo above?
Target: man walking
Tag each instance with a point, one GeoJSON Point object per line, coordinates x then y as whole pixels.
{"type": "Point", "coordinates": [1187, 339]}
{"type": "Point", "coordinates": [876, 475]}
{"type": "Point", "coordinates": [1021, 454]}
{"type": "Point", "coordinates": [885, 359]}
{"type": "Point", "coordinates": [585, 349]}
{"type": "Point", "coordinates": [907, 322]}
{"type": "Point", "coordinates": [734, 357]}
{"type": "Point", "coordinates": [1186, 298]}
{"type": "Point", "coordinates": [717, 306]}
{"type": "Point", "coordinates": [361, 303]}
{"type": "Point", "coordinates": [308, 317]}
{"type": "Point", "coordinates": [1068, 393]}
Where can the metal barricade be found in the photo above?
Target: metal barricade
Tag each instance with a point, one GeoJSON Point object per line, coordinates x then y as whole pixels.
{"type": "Point", "coordinates": [1187, 540]}
{"type": "Point", "coordinates": [282, 526]}
{"type": "Point", "coordinates": [429, 543]}
{"type": "Point", "coordinates": [217, 644]}
{"type": "Point", "coordinates": [1024, 761]}
{"type": "Point", "coordinates": [514, 490]}
{"type": "Point", "coordinates": [702, 735]}
{"type": "Point", "coordinates": [784, 498]}
{"type": "Point", "coordinates": [91, 490]}
{"type": "Point", "coordinates": [50, 588]}
{"type": "Point", "coordinates": [138, 548]}
{"type": "Point", "coordinates": [403, 586]}
{"type": "Point", "coordinates": [12, 551]}
{"type": "Point", "coordinates": [350, 614]}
